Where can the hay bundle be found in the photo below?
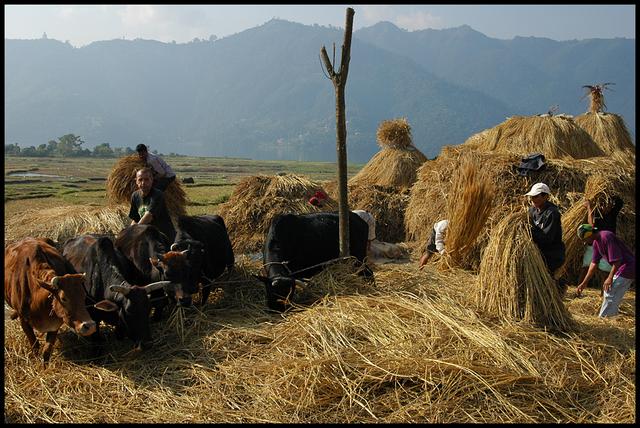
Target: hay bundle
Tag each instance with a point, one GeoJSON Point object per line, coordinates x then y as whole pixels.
{"type": "Point", "coordinates": [387, 204]}
{"type": "Point", "coordinates": [514, 282]}
{"type": "Point", "coordinates": [256, 200]}
{"type": "Point", "coordinates": [395, 133]}
{"type": "Point", "coordinates": [121, 183]}
{"type": "Point", "coordinates": [557, 137]}
{"type": "Point", "coordinates": [396, 164]}
{"type": "Point", "coordinates": [610, 134]}
{"type": "Point", "coordinates": [468, 208]}
{"type": "Point", "coordinates": [62, 223]}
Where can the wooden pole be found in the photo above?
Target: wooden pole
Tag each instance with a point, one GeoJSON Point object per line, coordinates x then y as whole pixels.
{"type": "Point", "coordinates": [339, 80]}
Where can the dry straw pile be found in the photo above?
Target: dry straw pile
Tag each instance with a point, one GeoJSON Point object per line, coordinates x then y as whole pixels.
{"type": "Point", "coordinates": [62, 223]}
{"type": "Point", "coordinates": [408, 349]}
{"type": "Point", "coordinates": [433, 191]}
{"type": "Point", "coordinates": [468, 209]}
{"type": "Point", "coordinates": [121, 183]}
{"type": "Point", "coordinates": [256, 200]}
{"type": "Point", "coordinates": [514, 282]}
{"type": "Point", "coordinates": [610, 134]}
{"type": "Point", "coordinates": [557, 137]}
{"type": "Point", "coordinates": [396, 164]}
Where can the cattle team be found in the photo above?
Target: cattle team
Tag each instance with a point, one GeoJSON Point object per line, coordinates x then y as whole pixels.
{"type": "Point", "coordinates": [127, 281]}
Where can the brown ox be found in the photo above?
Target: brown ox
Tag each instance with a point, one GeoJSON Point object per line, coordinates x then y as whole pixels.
{"type": "Point", "coordinates": [44, 291]}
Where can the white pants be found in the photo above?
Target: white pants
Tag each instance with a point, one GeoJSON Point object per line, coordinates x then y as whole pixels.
{"type": "Point", "coordinates": [611, 299]}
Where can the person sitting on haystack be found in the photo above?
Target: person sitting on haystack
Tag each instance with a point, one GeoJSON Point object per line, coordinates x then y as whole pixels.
{"type": "Point", "coordinates": [546, 229]}
{"type": "Point", "coordinates": [435, 244]}
{"type": "Point", "coordinates": [163, 175]}
{"type": "Point", "coordinates": [148, 206]}
{"type": "Point", "coordinates": [623, 266]}
{"type": "Point", "coordinates": [606, 221]}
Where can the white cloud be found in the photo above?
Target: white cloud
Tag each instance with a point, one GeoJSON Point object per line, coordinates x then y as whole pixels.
{"type": "Point", "coordinates": [67, 12]}
{"type": "Point", "coordinates": [138, 15]}
{"type": "Point", "coordinates": [418, 21]}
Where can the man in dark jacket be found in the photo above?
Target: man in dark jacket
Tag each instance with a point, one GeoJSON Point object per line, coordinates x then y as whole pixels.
{"type": "Point", "coordinates": [546, 228]}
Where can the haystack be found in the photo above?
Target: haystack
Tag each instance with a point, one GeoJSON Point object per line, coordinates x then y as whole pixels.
{"type": "Point", "coordinates": [430, 195]}
{"type": "Point", "coordinates": [514, 282]}
{"type": "Point", "coordinates": [557, 137]}
{"type": "Point", "coordinates": [62, 223]}
{"type": "Point", "coordinates": [610, 134]}
{"type": "Point", "coordinates": [121, 183]}
{"type": "Point", "coordinates": [256, 200]}
{"type": "Point", "coordinates": [396, 164]}
{"type": "Point", "coordinates": [387, 204]}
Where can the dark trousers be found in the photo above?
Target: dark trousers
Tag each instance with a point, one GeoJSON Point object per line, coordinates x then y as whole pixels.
{"type": "Point", "coordinates": [163, 182]}
{"type": "Point", "coordinates": [431, 243]}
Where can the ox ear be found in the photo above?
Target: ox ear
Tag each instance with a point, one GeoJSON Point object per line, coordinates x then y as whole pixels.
{"type": "Point", "coordinates": [262, 278]}
{"type": "Point", "coordinates": [116, 288]}
{"type": "Point", "coordinates": [106, 306]}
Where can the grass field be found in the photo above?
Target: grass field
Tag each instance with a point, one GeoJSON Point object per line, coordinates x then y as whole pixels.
{"type": "Point", "coordinates": [413, 347]}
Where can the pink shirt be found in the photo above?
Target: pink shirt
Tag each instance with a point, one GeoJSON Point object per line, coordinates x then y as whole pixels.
{"type": "Point", "coordinates": [608, 246]}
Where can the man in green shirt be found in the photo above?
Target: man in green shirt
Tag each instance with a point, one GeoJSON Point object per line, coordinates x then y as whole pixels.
{"type": "Point", "coordinates": [148, 206]}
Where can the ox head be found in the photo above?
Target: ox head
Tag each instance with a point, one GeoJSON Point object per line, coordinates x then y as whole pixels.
{"type": "Point", "coordinates": [133, 306]}
{"type": "Point", "coordinates": [174, 267]}
{"type": "Point", "coordinates": [280, 291]}
{"type": "Point", "coordinates": [69, 295]}
{"type": "Point", "coordinates": [195, 253]}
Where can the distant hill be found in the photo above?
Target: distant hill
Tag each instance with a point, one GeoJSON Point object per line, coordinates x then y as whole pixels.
{"type": "Point", "coordinates": [262, 94]}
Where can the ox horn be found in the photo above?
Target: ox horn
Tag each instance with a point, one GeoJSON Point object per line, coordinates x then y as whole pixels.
{"type": "Point", "coordinates": [156, 286]}
{"type": "Point", "coordinates": [185, 252]}
{"type": "Point", "coordinates": [55, 281]}
{"type": "Point", "coordinates": [117, 288]}
{"type": "Point", "coordinates": [174, 247]}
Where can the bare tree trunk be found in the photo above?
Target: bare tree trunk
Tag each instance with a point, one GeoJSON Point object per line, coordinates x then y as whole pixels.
{"type": "Point", "coordinates": [339, 81]}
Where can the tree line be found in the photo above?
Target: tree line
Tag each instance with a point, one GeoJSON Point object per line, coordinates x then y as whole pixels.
{"type": "Point", "coordinates": [69, 145]}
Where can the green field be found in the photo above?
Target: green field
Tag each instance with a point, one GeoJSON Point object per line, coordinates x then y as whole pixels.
{"type": "Point", "coordinates": [82, 181]}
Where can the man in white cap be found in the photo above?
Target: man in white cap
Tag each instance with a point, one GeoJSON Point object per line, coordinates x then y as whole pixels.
{"type": "Point", "coordinates": [546, 228]}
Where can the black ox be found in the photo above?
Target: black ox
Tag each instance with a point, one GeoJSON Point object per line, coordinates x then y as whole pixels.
{"type": "Point", "coordinates": [297, 242]}
{"type": "Point", "coordinates": [110, 296]}
{"type": "Point", "coordinates": [209, 249]}
{"type": "Point", "coordinates": [148, 250]}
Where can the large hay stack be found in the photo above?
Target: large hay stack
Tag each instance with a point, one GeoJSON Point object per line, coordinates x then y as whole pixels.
{"type": "Point", "coordinates": [121, 183]}
{"type": "Point", "coordinates": [430, 195]}
{"type": "Point", "coordinates": [557, 137]}
{"type": "Point", "coordinates": [256, 200]}
{"type": "Point", "coordinates": [62, 223]}
{"type": "Point", "coordinates": [514, 282]}
{"type": "Point", "coordinates": [610, 134]}
{"type": "Point", "coordinates": [398, 161]}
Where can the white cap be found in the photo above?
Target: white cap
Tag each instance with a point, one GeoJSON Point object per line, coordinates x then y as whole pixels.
{"type": "Point", "coordinates": [538, 188]}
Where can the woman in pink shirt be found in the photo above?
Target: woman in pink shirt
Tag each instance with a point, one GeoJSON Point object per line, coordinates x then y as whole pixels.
{"type": "Point", "coordinates": [623, 266]}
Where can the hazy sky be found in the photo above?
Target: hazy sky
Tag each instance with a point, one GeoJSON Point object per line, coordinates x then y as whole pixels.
{"type": "Point", "coordinates": [83, 24]}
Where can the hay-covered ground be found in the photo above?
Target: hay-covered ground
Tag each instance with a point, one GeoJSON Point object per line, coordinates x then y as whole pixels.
{"type": "Point", "coordinates": [412, 347]}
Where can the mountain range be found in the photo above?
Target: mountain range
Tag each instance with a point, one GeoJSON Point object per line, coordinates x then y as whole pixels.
{"type": "Point", "coordinates": [262, 93]}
